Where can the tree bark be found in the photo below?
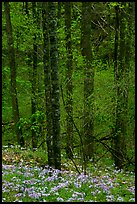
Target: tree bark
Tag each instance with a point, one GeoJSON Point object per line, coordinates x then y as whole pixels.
{"type": "Point", "coordinates": [55, 84]}
{"type": "Point", "coordinates": [47, 82]}
{"type": "Point", "coordinates": [15, 108]}
{"type": "Point", "coordinates": [121, 84]}
{"type": "Point", "coordinates": [69, 86]}
{"type": "Point", "coordinates": [34, 80]}
{"type": "Point", "coordinates": [88, 80]}
{"type": "Point", "coordinates": [59, 10]}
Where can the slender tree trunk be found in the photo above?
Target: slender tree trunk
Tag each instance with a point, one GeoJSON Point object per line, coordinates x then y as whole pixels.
{"type": "Point", "coordinates": [47, 82]}
{"type": "Point", "coordinates": [55, 84]}
{"type": "Point", "coordinates": [88, 80]}
{"type": "Point", "coordinates": [121, 80]}
{"type": "Point", "coordinates": [40, 98]}
{"type": "Point", "coordinates": [15, 108]}
{"type": "Point", "coordinates": [34, 80]}
{"type": "Point", "coordinates": [115, 72]}
{"type": "Point", "coordinates": [130, 51]}
{"type": "Point", "coordinates": [69, 86]}
{"type": "Point", "coordinates": [59, 9]}
{"type": "Point", "coordinates": [32, 57]}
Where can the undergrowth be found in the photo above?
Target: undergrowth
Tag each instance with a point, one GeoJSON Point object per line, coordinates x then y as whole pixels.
{"type": "Point", "coordinates": [26, 177]}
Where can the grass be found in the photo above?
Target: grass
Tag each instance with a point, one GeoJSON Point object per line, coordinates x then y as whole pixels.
{"type": "Point", "coordinates": [24, 180]}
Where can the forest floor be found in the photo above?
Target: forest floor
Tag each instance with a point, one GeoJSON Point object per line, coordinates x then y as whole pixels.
{"type": "Point", "coordinates": [25, 180]}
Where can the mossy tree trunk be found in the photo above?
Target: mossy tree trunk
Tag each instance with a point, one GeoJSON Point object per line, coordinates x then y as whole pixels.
{"type": "Point", "coordinates": [88, 80]}
{"type": "Point", "coordinates": [55, 84]}
{"type": "Point", "coordinates": [121, 84]}
{"type": "Point", "coordinates": [69, 85]}
{"type": "Point", "coordinates": [12, 63]}
{"type": "Point", "coordinates": [47, 82]}
{"type": "Point", "coordinates": [34, 81]}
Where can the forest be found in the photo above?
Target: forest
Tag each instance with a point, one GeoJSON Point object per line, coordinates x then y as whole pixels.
{"type": "Point", "coordinates": [68, 101]}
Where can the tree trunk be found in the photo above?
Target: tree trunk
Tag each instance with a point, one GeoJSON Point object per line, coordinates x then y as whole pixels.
{"type": "Point", "coordinates": [15, 108]}
{"type": "Point", "coordinates": [115, 72]}
{"type": "Point", "coordinates": [88, 80]}
{"type": "Point", "coordinates": [121, 84]}
{"type": "Point", "coordinates": [59, 10]}
{"type": "Point", "coordinates": [130, 51]}
{"type": "Point", "coordinates": [47, 82]}
{"type": "Point", "coordinates": [34, 80]}
{"type": "Point", "coordinates": [69, 86]}
{"type": "Point", "coordinates": [55, 84]}
{"type": "Point", "coordinates": [32, 57]}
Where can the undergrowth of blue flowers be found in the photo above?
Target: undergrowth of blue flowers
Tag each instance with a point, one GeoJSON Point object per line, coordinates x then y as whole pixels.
{"type": "Point", "coordinates": [24, 182]}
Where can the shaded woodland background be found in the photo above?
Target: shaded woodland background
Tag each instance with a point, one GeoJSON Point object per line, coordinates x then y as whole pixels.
{"type": "Point", "coordinates": [68, 80]}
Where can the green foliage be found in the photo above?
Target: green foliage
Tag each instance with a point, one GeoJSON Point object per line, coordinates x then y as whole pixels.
{"type": "Point", "coordinates": [24, 29]}
{"type": "Point", "coordinates": [23, 122]}
{"type": "Point", "coordinates": [39, 117]}
{"type": "Point", "coordinates": [113, 4]}
{"type": "Point", "coordinates": [36, 122]}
